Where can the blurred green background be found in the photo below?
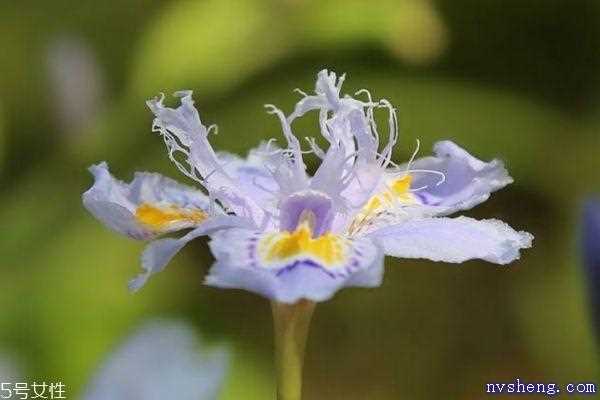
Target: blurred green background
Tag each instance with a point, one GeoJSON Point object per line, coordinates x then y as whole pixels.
{"type": "Point", "coordinates": [514, 79]}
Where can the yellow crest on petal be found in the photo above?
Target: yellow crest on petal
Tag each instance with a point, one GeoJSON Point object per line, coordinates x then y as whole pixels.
{"type": "Point", "coordinates": [161, 217]}
{"type": "Point", "coordinates": [330, 249]}
{"type": "Point", "coordinates": [398, 191]}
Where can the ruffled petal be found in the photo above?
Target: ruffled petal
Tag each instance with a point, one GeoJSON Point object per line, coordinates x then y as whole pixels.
{"type": "Point", "coordinates": [468, 180]}
{"type": "Point", "coordinates": [439, 185]}
{"type": "Point", "coordinates": [352, 166]}
{"type": "Point", "coordinates": [335, 171]}
{"type": "Point", "coordinates": [453, 240]}
{"type": "Point", "coordinates": [160, 252]}
{"type": "Point", "coordinates": [253, 176]}
{"type": "Point", "coordinates": [149, 206]}
{"type": "Point", "coordinates": [161, 359]}
{"type": "Point", "coordinates": [191, 152]}
{"type": "Point", "coordinates": [287, 267]}
{"type": "Point", "coordinates": [326, 97]}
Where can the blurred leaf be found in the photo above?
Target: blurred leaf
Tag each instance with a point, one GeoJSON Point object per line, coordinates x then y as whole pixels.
{"type": "Point", "coordinates": [553, 313]}
{"type": "Point", "coordinates": [2, 138]}
{"type": "Point", "coordinates": [412, 29]}
{"type": "Point", "coordinates": [249, 376]}
{"type": "Point", "coordinates": [219, 45]}
{"type": "Point", "coordinates": [216, 43]}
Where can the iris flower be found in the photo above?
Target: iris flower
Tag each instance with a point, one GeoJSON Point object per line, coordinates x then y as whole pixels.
{"type": "Point", "coordinates": [590, 236]}
{"type": "Point", "coordinates": [287, 235]}
{"type": "Point", "coordinates": [8, 370]}
{"type": "Point", "coordinates": [160, 361]}
{"type": "Point", "coordinates": [296, 238]}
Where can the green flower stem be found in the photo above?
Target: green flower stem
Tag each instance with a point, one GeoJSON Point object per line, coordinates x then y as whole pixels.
{"type": "Point", "coordinates": [291, 322]}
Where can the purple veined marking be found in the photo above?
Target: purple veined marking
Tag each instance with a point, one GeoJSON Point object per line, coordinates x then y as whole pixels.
{"type": "Point", "coordinates": [307, 263]}
{"type": "Point", "coordinates": [427, 199]}
{"type": "Point", "coordinates": [421, 197]}
{"type": "Point", "coordinates": [350, 269]}
{"type": "Point", "coordinates": [252, 251]}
